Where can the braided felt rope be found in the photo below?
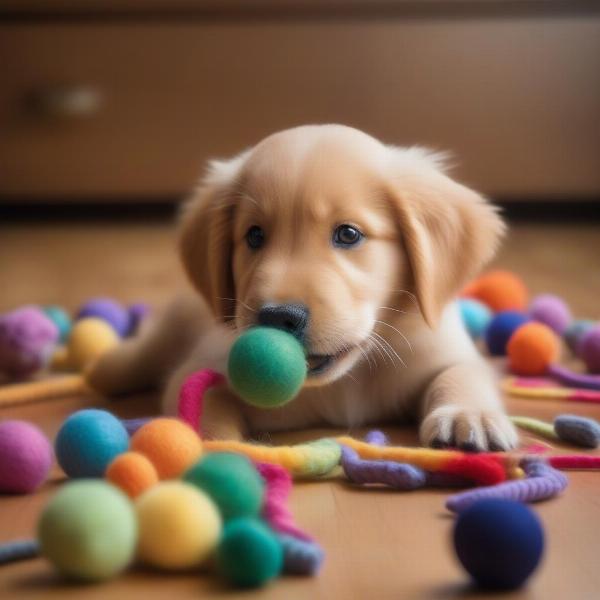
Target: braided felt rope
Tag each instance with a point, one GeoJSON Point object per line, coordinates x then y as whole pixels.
{"type": "Point", "coordinates": [484, 469]}
{"type": "Point", "coordinates": [536, 426]}
{"type": "Point", "coordinates": [574, 461]}
{"type": "Point", "coordinates": [18, 550]}
{"type": "Point", "coordinates": [191, 395]}
{"type": "Point", "coordinates": [311, 459]}
{"type": "Point", "coordinates": [300, 557]}
{"type": "Point", "coordinates": [542, 482]}
{"type": "Point", "coordinates": [275, 509]}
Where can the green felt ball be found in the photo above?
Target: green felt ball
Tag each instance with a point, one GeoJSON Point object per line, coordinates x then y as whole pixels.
{"type": "Point", "coordinates": [231, 481]}
{"type": "Point", "coordinates": [267, 367]}
{"type": "Point", "coordinates": [249, 554]}
{"type": "Point", "coordinates": [88, 530]}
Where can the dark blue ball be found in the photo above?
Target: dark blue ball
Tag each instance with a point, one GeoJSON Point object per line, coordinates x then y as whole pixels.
{"type": "Point", "coordinates": [501, 327]}
{"type": "Point", "coordinates": [499, 542]}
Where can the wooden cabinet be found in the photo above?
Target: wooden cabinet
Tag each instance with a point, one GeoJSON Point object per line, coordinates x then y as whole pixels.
{"type": "Point", "coordinates": [117, 106]}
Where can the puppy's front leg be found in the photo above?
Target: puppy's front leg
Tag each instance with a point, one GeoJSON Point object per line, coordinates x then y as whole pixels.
{"type": "Point", "coordinates": [462, 407]}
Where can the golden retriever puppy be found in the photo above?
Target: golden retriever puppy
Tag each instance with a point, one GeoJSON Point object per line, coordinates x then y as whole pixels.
{"type": "Point", "coordinates": [357, 248]}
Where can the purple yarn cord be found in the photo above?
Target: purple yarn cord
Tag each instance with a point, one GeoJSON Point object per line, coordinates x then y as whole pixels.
{"type": "Point", "coordinates": [18, 550]}
{"type": "Point", "coordinates": [132, 425]}
{"type": "Point", "coordinates": [542, 482]}
{"type": "Point", "coordinates": [400, 476]}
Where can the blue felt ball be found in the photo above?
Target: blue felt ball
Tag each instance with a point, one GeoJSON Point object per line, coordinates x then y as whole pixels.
{"type": "Point", "coordinates": [499, 542]}
{"type": "Point", "coordinates": [475, 315]}
{"type": "Point", "coordinates": [61, 319]}
{"type": "Point", "coordinates": [88, 441]}
{"type": "Point", "coordinates": [501, 328]}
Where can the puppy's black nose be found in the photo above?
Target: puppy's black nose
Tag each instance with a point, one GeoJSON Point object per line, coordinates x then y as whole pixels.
{"type": "Point", "coordinates": [292, 318]}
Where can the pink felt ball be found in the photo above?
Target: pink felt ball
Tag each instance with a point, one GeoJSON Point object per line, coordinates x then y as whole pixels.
{"type": "Point", "coordinates": [589, 349]}
{"type": "Point", "coordinates": [25, 457]}
{"type": "Point", "coordinates": [551, 311]}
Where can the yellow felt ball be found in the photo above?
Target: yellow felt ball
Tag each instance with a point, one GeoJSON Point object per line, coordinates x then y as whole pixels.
{"type": "Point", "coordinates": [179, 526]}
{"type": "Point", "coordinates": [89, 339]}
{"type": "Point", "coordinates": [133, 473]}
{"type": "Point", "coordinates": [171, 445]}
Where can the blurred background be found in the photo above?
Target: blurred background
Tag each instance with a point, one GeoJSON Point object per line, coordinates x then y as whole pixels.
{"type": "Point", "coordinates": [109, 108]}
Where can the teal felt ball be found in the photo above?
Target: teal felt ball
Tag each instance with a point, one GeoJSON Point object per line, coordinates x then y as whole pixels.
{"type": "Point", "coordinates": [88, 531]}
{"type": "Point", "coordinates": [88, 441]}
{"type": "Point", "coordinates": [231, 481]}
{"type": "Point", "coordinates": [267, 367]}
{"type": "Point", "coordinates": [475, 315]}
{"type": "Point", "coordinates": [61, 319]}
{"type": "Point", "coordinates": [249, 554]}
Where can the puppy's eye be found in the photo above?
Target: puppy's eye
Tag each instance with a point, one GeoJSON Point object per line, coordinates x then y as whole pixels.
{"type": "Point", "coordinates": [255, 237]}
{"type": "Point", "coordinates": [345, 236]}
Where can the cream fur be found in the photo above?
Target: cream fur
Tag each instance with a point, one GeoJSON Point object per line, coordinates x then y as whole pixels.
{"type": "Point", "coordinates": [389, 302]}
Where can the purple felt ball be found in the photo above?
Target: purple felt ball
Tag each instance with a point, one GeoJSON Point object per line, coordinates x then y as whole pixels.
{"type": "Point", "coordinates": [589, 349]}
{"type": "Point", "coordinates": [25, 457]}
{"type": "Point", "coordinates": [137, 313]}
{"type": "Point", "coordinates": [108, 310]}
{"type": "Point", "coordinates": [551, 311]}
{"type": "Point", "coordinates": [27, 339]}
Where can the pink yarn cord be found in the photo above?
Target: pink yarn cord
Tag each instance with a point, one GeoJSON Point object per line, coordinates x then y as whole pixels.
{"type": "Point", "coordinates": [191, 395]}
{"type": "Point", "coordinates": [575, 461]}
{"type": "Point", "coordinates": [275, 510]}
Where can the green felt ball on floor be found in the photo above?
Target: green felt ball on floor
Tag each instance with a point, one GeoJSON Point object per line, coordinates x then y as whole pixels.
{"type": "Point", "coordinates": [231, 481]}
{"type": "Point", "coordinates": [267, 367]}
{"type": "Point", "coordinates": [249, 554]}
{"type": "Point", "coordinates": [88, 530]}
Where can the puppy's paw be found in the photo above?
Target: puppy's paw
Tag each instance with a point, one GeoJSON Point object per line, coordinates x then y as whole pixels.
{"type": "Point", "coordinates": [468, 429]}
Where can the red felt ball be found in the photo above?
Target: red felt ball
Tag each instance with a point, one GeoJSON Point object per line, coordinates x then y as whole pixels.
{"type": "Point", "coordinates": [500, 290]}
{"type": "Point", "coordinates": [532, 349]}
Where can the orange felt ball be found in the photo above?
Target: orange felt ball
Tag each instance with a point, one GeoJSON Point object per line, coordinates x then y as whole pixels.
{"type": "Point", "coordinates": [500, 290]}
{"type": "Point", "coordinates": [532, 348]}
{"type": "Point", "coordinates": [170, 444]}
{"type": "Point", "coordinates": [132, 472]}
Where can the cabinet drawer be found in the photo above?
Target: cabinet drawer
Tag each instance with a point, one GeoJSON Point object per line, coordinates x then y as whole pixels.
{"type": "Point", "coordinates": [133, 109]}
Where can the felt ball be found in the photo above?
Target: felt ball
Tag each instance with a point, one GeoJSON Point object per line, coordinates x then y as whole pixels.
{"type": "Point", "coordinates": [231, 481]}
{"type": "Point", "coordinates": [475, 315]}
{"type": "Point", "coordinates": [25, 457]}
{"type": "Point", "coordinates": [179, 526]}
{"type": "Point", "coordinates": [88, 530]}
{"type": "Point", "coordinates": [501, 328]}
{"type": "Point", "coordinates": [137, 313]}
{"type": "Point", "coordinates": [89, 339]}
{"type": "Point", "coordinates": [171, 445]}
{"type": "Point", "coordinates": [589, 349]}
{"type": "Point", "coordinates": [109, 311]}
{"type": "Point", "coordinates": [532, 348]}
{"type": "Point", "coordinates": [575, 331]}
{"type": "Point", "coordinates": [267, 367]}
{"type": "Point", "coordinates": [61, 319]}
{"type": "Point", "coordinates": [27, 340]}
{"type": "Point", "coordinates": [500, 290]}
{"type": "Point", "coordinates": [132, 473]}
{"type": "Point", "coordinates": [88, 442]}
{"type": "Point", "coordinates": [499, 542]}
{"type": "Point", "coordinates": [552, 311]}
{"type": "Point", "coordinates": [249, 554]}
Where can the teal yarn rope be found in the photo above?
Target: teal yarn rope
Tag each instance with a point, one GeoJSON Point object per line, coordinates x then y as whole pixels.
{"type": "Point", "coordinates": [18, 550]}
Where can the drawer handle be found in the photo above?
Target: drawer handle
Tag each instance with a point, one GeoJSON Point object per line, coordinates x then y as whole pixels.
{"type": "Point", "coordinates": [66, 101]}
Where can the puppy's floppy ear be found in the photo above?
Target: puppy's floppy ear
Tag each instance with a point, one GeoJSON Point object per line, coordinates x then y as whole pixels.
{"type": "Point", "coordinates": [449, 231]}
{"type": "Point", "coordinates": [205, 241]}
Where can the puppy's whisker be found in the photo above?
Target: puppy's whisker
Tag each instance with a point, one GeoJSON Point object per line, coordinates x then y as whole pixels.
{"type": "Point", "coordinates": [399, 333]}
{"type": "Point", "coordinates": [390, 308]}
{"type": "Point", "coordinates": [380, 349]}
{"type": "Point", "coordinates": [385, 343]}
{"type": "Point", "coordinates": [237, 301]}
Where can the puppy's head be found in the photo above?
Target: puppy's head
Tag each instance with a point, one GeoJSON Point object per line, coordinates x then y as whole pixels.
{"type": "Point", "coordinates": [325, 232]}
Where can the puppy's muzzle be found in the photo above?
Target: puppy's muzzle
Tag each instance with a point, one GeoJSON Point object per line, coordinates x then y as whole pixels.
{"type": "Point", "coordinates": [292, 318]}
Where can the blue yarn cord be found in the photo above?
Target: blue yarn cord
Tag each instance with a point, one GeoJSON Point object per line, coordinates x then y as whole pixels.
{"type": "Point", "coordinates": [18, 550]}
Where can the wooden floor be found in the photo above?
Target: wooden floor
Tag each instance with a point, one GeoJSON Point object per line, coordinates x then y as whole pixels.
{"type": "Point", "coordinates": [379, 544]}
